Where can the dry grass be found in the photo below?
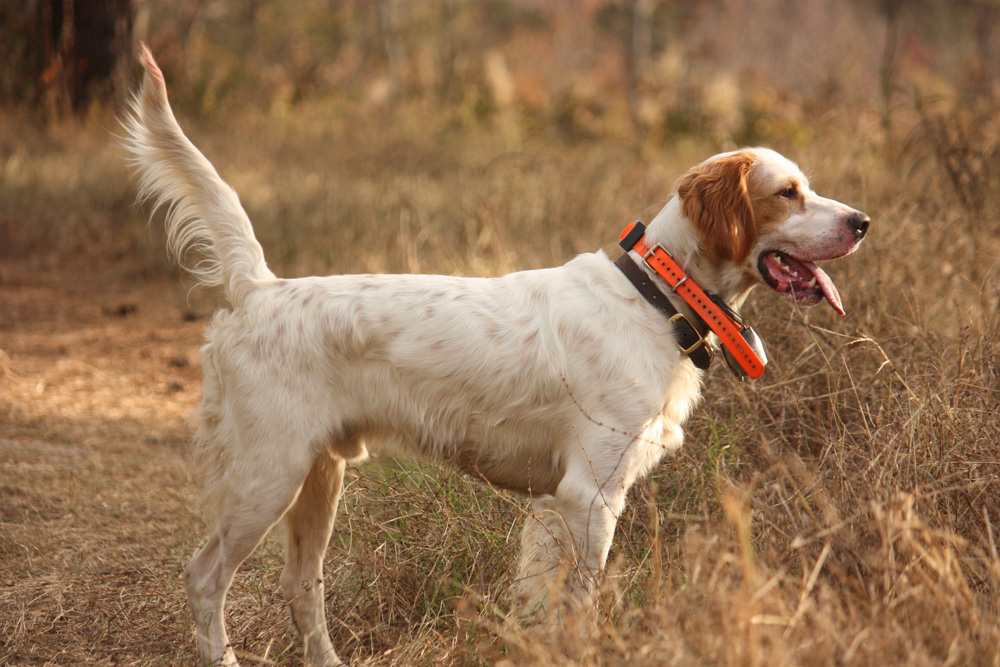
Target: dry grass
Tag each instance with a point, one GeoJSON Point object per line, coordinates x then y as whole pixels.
{"type": "Point", "coordinates": [843, 510]}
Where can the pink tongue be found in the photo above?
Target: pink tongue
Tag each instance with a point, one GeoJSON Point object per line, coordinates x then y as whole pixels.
{"type": "Point", "coordinates": [829, 289]}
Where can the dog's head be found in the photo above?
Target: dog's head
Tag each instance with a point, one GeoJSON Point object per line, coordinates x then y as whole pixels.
{"type": "Point", "coordinates": [757, 221]}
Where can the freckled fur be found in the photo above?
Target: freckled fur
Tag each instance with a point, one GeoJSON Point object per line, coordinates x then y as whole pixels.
{"type": "Point", "coordinates": [560, 383]}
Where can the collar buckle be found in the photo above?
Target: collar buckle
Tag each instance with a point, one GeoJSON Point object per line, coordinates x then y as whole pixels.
{"type": "Point", "coordinates": [689, 343]}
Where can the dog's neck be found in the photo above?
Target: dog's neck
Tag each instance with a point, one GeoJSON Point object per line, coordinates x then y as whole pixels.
{"type": "Point", "coordinates": [678, 236]}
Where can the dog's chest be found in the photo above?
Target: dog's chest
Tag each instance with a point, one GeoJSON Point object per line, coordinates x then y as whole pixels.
{"type": "Point", "coordinates": [682, 395]}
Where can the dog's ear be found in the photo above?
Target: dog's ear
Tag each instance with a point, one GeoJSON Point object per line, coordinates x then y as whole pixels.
{"type": "Point", "coordinates": [715, 198]}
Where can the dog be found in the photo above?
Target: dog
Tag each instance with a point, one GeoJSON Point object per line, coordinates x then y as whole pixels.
{"type": "Point", "coordinates": [565, 384]}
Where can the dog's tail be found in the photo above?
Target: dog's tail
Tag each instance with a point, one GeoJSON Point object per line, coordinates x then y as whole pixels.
{"type": "Point", "coordinates": [204, 215]}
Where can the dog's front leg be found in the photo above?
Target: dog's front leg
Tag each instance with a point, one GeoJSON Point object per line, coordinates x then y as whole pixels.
{"type": "Point", "coordinates": [565, 544]}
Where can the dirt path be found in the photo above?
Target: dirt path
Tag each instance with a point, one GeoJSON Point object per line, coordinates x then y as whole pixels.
{"type": "Point", "coordinates": [98, 511]}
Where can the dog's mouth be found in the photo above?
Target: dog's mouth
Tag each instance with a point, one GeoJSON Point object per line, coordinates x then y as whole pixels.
{"type": "Point", "coordinates": [798, 279]}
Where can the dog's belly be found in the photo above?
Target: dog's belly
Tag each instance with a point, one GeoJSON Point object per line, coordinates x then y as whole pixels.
{"type": "Point", "coordinates": [532, 476]}
{"type": "Point", "coordinates": [522, 457]}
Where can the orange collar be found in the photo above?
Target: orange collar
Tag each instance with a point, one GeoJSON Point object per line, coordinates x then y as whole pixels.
{"type": "Point", "coordinates": [738, 340]}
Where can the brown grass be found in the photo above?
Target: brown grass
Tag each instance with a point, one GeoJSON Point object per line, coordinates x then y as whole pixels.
{"type": "Point", "coordinates": [842, 510]}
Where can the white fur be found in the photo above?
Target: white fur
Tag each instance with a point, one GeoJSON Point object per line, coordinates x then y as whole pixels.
{"type": "Point", "coordinates": [560, 383]}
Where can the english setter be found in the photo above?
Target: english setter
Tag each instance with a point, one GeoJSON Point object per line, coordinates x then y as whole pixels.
{"type": "Point", "coordinates": [566, 384]}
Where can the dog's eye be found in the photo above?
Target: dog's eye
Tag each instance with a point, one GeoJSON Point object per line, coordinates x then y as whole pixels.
{"type": "Point", "coordinates": [788, 193]}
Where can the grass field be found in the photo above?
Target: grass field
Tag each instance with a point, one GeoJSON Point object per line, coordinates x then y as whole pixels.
{"type": "Point", "coordinates": [842, 510]}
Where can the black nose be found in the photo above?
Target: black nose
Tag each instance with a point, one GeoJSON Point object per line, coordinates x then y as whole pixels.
{"type": "Point", "coordinates": [858, 222]}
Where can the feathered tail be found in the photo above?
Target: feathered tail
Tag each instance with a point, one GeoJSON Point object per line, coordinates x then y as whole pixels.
{"type": "Point", "coordinates": [204, 215]}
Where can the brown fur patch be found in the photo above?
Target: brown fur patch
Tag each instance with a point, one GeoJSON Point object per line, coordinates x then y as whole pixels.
{"type": "Point", "coordinates": [715, 197]}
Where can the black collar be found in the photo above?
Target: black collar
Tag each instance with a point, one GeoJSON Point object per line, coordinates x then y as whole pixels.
{"type": "Point", "coordinates": [690, 334]}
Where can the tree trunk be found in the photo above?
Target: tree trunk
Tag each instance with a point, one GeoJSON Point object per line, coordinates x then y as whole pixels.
{"type": "Point", "coordinates": [63, 54]}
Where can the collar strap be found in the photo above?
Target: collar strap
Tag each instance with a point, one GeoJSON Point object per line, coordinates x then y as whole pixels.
{"type": "Point", "coordinates": [720, 319]}
{"type": "Point", "coordinates": [690, 337]}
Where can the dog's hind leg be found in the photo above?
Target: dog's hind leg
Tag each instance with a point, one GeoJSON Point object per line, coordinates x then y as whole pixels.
{"type": "Point", "coordinates": [310, 523]}
{"type": "Point", "coordinates": [246, 515]}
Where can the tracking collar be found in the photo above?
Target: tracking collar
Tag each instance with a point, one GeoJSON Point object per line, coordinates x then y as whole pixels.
{"type": "Point", "coordinates": [742, 348]}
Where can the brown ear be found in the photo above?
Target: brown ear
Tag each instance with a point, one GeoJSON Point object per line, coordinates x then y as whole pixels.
{"type": "Point", "coordinates": [714, 197]}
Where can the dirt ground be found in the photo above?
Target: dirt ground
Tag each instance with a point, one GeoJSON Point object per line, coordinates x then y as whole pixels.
{"type": "Point", "coordinates": [98, 384]}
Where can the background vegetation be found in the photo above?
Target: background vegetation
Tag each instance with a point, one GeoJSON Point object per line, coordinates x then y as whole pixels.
{"type": "Point", "coordinates": [842, 510]}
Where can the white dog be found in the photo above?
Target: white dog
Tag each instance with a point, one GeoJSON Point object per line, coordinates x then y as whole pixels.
{"type": "Point", "coordinates": [566, 384]}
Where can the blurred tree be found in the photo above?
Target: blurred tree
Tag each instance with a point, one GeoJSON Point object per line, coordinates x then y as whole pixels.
{"type": "Point", "coordinates": [388, 25]}
{"type": "Point", "coordinates": [987, 15]}
{"type": "Point", "coordinates": [62, 54]}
